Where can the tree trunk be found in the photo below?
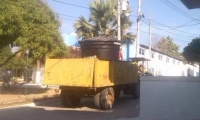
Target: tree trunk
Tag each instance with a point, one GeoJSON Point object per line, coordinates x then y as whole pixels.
{"type": "Point", "coordinates": [38, 65]}
{"type": "Point", "coordinates": [127, 50]}
{"type": "Point", "coordinates": [38, 78]}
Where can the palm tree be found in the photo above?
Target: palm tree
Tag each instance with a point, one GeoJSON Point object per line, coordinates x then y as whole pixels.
{"type": "Point", "coordinates": [84, 28]}
{"type": "Point", "coordinates": [103, 21]}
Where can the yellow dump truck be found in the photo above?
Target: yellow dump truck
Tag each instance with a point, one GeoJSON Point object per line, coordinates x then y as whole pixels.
{"type": "Point", "coordinates": [86, 77]}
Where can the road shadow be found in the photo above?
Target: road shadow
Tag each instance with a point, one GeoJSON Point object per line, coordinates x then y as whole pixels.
{"type": "Point", "coordinates": [41, 113]}
{"type": "Point", "coordinates": [51, 109]}
{"type": "Point", "coordinates": [121, 104]}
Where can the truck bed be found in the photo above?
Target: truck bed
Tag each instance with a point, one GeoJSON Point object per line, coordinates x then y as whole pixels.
{"type": "Point", "coordinates": [89, 72]}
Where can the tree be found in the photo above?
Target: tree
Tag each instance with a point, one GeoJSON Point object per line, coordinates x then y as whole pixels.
{"type": "Point", "coordinates": [167, 46]}
{"type": "Point", "coordinates": [192, 52]}
{"type": "Point", "coordinates": [103, 21]}
{"type": "Point", "coordinates": [13, 63]}
{"type": "Point", "coordinates": [154, 41]}
{"type": "Point", "coordinates": [31, 24]}
{"type": "Point", "coordinates": [11, 22]}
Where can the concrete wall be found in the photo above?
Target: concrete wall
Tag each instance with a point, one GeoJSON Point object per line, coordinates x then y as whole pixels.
{"type": "Point", "coordinates": [170, 98]}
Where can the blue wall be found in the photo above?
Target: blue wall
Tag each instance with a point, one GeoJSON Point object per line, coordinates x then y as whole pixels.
{"type": "Point", "coordinates": [128, 53]}
{"type": "Point", "coordinates": [70, 39]}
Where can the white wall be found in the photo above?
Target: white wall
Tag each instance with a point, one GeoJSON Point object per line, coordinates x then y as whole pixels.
{"type": "Point", "coordinates": [169, 98]}
{"type": "Point", "coordinates": [161, 67]}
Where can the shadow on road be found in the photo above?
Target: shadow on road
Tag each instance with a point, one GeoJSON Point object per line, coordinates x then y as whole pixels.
{"type": "Point", "coordinates": [125, 107]}
{"type": "Point", "coordinates": [85, 102]}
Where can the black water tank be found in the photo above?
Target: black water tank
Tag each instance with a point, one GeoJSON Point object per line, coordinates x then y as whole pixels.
{"type": "Point", "coordinates": [104, 48]}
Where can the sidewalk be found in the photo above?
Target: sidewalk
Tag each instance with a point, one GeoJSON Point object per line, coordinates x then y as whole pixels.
{"type": "Point", "coordinates": [16, 96]}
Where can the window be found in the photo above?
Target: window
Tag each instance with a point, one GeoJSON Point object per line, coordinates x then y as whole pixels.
{"type": "Point", "coordinates": [141, 51]}
{"type": "Point", "coordinates": [160, 57]}
{"type": "Point", "coordinates": [152, 55]}
{"type": "Point", "coordinates": [167, 60]}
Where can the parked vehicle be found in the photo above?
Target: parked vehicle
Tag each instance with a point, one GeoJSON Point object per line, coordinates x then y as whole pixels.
{"type": "Point", "coordinates": [85, 77]}
{"type": "Point", "coordinates": [99, 74]}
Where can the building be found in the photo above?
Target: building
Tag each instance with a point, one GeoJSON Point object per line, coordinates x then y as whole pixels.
{"type": "Point", "coordinates": [74, 52]}
{"type": "Point", "coordinates": [161, 64]}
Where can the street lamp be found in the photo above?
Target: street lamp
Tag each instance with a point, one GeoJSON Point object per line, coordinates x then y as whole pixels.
{"type": "Point", "coordinates": [27, 53]}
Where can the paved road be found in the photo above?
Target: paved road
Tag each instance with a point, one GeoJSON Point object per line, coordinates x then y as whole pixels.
{"type": "Point", "coordinates": [125, 107]}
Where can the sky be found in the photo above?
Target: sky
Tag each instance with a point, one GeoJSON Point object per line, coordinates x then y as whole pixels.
{"type": "Point", "coordinates": [168, 18]}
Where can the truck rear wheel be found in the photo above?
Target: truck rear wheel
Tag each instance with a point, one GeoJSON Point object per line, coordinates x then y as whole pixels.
{"type": "Point", "coordinates": [107, 98]}
{"type": "Point", "coordinates": [136, 91]}
{"type": "Point", "coordinates": [69, 100]}
{"type": "Point", "coordinates": [97, 100]}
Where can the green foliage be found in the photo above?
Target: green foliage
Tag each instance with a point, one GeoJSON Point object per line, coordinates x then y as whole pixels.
{"type": "Point", "coordinates": [103, 21]}
{"type": "Point", "coordinates": [11, 22]}
{"type": "Point", "coordinates": [167, 46]}
{"type": "Point", "coordinates": [4, 53]}
{"type": "Point", "coordinates": [13, 63]}
{"type": "Point", "coordinates": [192, 52]}
{"type": "Point", "coordinates": [31, 24]}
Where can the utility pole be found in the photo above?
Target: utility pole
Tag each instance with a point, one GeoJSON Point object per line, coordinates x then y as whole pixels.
{"type": "Point", "coordinates": [138, 28]}
{"type": "Point", "coordinates": [119, 21]}
{"type": "Point", "coordinates": [149, 35]}
{"type": "Point", "coordinates": [149, 65]}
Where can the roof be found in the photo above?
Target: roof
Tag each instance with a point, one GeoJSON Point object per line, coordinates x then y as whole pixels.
{"type": "Point", "coordinates": [139, 59]}
{"type": "Point", "coordinates": [172, 56]}
{"type": "Point", "coordinates": [191, 4]}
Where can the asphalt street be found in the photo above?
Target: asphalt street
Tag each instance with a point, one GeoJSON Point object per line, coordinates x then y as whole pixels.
{"type": "Point", "coordinates": [124, 107]}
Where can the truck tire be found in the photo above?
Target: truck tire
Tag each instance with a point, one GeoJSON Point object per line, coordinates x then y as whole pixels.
{"type": "Point", "coordinates": [107, 98]}
{"type": "Point", "coordinates": [69, 100]}
{"type": "Point", "coordinates": [136, 91]}
{"type": "Point", "coordinates": [97, 100]}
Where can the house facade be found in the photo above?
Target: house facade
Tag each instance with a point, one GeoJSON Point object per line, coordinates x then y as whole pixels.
{"type": "Point", "coordinates": [161, 64]}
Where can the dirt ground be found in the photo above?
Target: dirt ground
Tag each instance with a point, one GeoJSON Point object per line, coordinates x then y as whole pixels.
{"type": "Point", "coordinates": [16, 95]}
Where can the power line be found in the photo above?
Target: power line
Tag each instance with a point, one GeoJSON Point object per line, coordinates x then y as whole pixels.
{"type": "Point", "coordinates": [130, 15]}
{"type": "Point", "coordinates": [191, 25]}
{"type": "Point", "coordinates": [182, 11]}
{"type": "Point", "coordinates": [184, 25]}
{"type": "Point", "coordinates": [167, 31]}
{"type": "Point", "coordinates": [177, 9]}
{"type": "Point", "coordinates": [175, 27]}
{"type": "Point", "coordinates": [172, 27]}
{"type": "Point", "coordinates": [162, 25]}
{"type": "Point", "coordinates": [67, 19]}
{"type": "Point", "coordinates": [70, 4]}
{"type": "Point", "coordinates": [163, 36]}
{"type": "Point", "coordinates": [66, 15]}
{"type": "Point", "coordinates": [192, 35]}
